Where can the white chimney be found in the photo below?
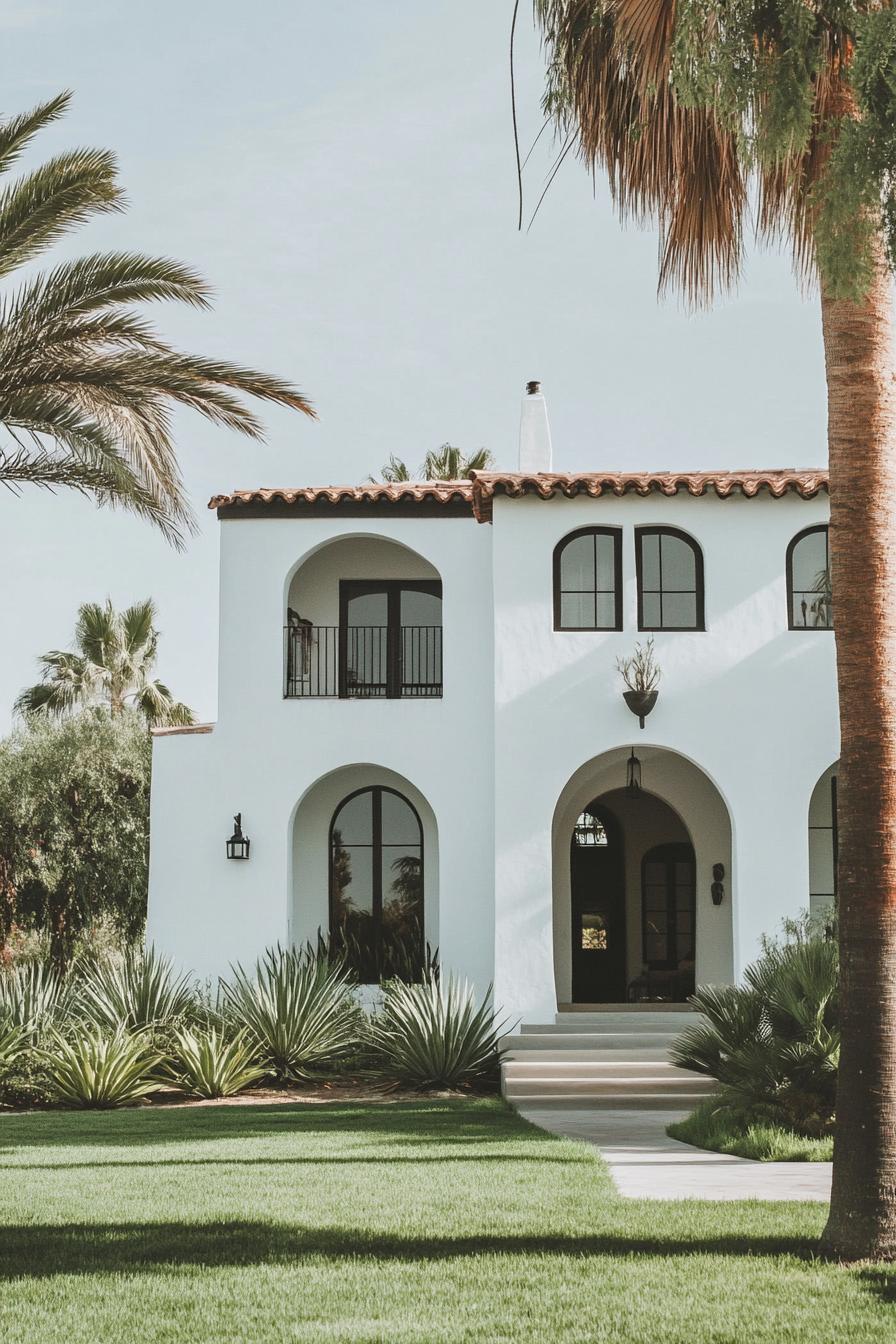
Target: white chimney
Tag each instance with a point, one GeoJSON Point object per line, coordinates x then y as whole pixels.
{"type": "Point", "coordinates": [535, 432]}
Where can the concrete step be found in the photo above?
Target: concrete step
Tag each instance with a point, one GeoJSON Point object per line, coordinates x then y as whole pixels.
{"type": "Point", "coordinates": [535, 1066]}
{"type": "Point", "coordinates": [593, 1009]}
{"type": "Point", "coordinates": [612, 1027]}
{"type": "Point", "coordinates": [652, 1054]}
{"type": "Point", "coordinates": [634, 1020]}
{"type": "Point", "coordinates": [612, 1101]}
{"type": "Point", "coordinates": [580, 1040]}
{"type": "Point", "coordinates": [613, 1083]}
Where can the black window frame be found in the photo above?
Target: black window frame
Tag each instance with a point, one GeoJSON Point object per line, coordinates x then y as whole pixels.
{"type": "Point", "coordinates": [616, 534]}
{"type": "Point", "coordinates": [698, 591]}
{"type": "Point", "coordinates": [377, 791]}
{"type": "Point", "coordinates": [788, 565]}
{"type": "Point", "coordinates": [393, 588]}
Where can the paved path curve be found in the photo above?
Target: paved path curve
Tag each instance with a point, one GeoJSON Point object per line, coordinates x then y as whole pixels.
{"type": "Point", "coordinates": [646, 1164]}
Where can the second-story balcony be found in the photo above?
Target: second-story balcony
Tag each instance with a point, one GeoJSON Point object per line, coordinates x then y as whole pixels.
{"type": "Point", "coordinates": [363, 661]}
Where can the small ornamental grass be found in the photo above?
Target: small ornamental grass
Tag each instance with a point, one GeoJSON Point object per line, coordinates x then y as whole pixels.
{"type": "Point", "coordinates": [210, 1064]}
{"type": "Point", "coordinates": [432, 1034]}
{"type": "Point", "coordinates": [139, 989]}
{"type": "Point", "coordinates": [297, 1009]}
{"type": "Point", "coordinates": [32, 996]}
{"type": "Point", "coordinates": [13, 1039]}
{"type": "Point", "coordinates": [94, 1068]}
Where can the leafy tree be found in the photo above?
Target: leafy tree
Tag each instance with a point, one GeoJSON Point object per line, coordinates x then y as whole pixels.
{"type": "Point", "coordinates": [113, 666]}
{"type": "Point", "coordinates": [442, 464]}
{"type": "Point", "coordinates": [696, 112]}
{"type": "Point", "coordinates": [74, 825]}
{"type": "Point", "coordinates": [86, 383]}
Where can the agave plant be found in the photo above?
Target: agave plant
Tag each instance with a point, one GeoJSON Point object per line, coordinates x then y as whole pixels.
{"type": "Point", "coordinates": [297, 1009]}
{"type": "Point", "coordinates": [13, 1040]}
{"type": "Point", "coordinates": [432, 1034]}
{"type": "Point", "coordinates": [773, 1043]}
{"type": "Point", "coordinates": [139, 989]}
{"type": "Point", "coordinates": [97, 1069]}
{"type": "Point", "coordinates": [211, 1064]}
{"type": "Point", "coordinates": [32, 997]}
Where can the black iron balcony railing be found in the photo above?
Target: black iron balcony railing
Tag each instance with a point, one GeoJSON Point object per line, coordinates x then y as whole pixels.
{"type": "Point", "coordinates": [363, 661]}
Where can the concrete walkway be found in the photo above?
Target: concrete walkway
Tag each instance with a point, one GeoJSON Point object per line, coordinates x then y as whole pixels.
{"type": "Point", "coordinates": [646, 1164]}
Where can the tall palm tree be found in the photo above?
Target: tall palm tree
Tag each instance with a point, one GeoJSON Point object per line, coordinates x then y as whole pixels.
{"type": "Point", "coordinates": [687, 106]}
{"type": "Point", "coordinates": [440, 464]}
{"type": "Point", "coordinates": [112, 665]}
{"type": "Point", "coordinates": [87, 385]}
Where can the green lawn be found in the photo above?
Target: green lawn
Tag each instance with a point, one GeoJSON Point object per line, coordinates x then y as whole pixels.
{"type": "Point", "coordinates": [723, 1132]}
{"type": "Point", "coordinates": [418, 1221]}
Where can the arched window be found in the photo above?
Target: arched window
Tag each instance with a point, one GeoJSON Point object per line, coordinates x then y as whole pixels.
{"type": "Point", "coordinates": [669, 567]}
{"type": "Point", "coordinates": [588, 580]}
{"type": "Point", "coordinates": [376, 885]}
{"type": "Point", "coordinates": [823, 846]}
{"type": "Point", "coordinates": [809, 581]}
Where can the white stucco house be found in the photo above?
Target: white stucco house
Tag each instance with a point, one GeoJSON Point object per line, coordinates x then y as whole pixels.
{"type": "Point", "coordinates": [422, 728]}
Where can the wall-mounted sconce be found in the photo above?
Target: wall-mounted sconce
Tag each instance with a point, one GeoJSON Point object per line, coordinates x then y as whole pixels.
{"type": "Point", "coordinates": [717, 890]}
{"type": "Point", "coordinates": [238, 844]}
{"type": "Point", "coordinates": [633, 776]}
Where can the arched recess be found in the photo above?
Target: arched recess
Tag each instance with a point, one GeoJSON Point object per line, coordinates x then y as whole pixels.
{"type": "Point", "coordinates": [362, 616]}
{"type": "Point", "coordinates": [823, 844]}
{"type": "Point", "coordinates": [310, 851]}
{"type": "Point", "coordinates": [679, 805]}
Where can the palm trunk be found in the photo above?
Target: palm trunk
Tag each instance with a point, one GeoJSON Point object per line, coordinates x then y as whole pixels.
{"type": "Point", "coordinates": [862, 455]}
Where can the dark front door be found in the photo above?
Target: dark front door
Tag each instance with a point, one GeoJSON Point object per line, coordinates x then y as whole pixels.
{"type": "Point", "coordinates": [668, 920]}
{"type": "Point", "coordinates": [598, 909]}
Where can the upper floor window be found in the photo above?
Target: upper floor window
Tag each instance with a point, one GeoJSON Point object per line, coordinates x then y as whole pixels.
{"type": "Point", "coordinates": [669, 565]}
{"type": "Point", "coordinates": [588, 580]}
{"type": "Point", "coordinates": [809, 581]}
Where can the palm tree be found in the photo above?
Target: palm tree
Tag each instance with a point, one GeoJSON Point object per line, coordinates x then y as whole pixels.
{"type": "Point", "coordinates": [87, 385]}
{"type": "Point", "coordinates": [687, 107]}
{"type": "Point", "coordinates": [441, 464]}
{"type": "Point", "coordinates": [114, 659]}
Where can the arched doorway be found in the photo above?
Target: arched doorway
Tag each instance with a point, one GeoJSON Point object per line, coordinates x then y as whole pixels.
{"type": "Point", "coordinates": [635, 916]}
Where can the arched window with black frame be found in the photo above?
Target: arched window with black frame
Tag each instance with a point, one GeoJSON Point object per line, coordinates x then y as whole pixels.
{"type": "Point", "coordinates": [669, 567]}
{"type": "Point", "coordinates": [809, 605]}
{"type": "Point", "coordinates": [588, 580]}
{"type": "Point", "coordinates": [376, 885]}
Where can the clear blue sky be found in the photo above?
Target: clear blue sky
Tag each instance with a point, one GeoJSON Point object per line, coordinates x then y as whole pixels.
{"type": "Point", "coordinates": [344, 175]}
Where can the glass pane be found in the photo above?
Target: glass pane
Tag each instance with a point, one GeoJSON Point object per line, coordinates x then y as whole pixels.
{"type": "Point", "coordinates": [420, 608]}
{"type": "Point", "coordinates": [679, 565]}
{"type": "Point", "coordinates": [400, 825]}
{"type": "Point", "coordinates": [594, 933]}
{"type": "Point", "coordinates": [606, 562]}
{"type": "Point", "coordinates": [655, 948]}
{"type": "Point", "coordinates": [650, 611]}
{"type": "Point", "coordinates": [809, 558]}
{"type": "Point", "coordinates": [366, 658]}
{"type": "Point", "coordinates": [655, 923]}
{"type": "Point", "coordinates": [368, 609]}
{"type": "Point", "coordinates": [606, 611]}
{"type": "Point", "coordinates": [679, 611]}
{"type": "Point", "coordinates": [352, 883]}
{"type": "Point", "coordinates": [650, 561]}
{"type": "Point", "coordinates": [684, 921]}
{"type": "Point", "coordinates": [577, 564]}
{"type": "Point", "coordinates": [655, 874]}
{"type": "Point", "coordinates": [821, 860]}
{"type": "Point", "coordinates": [684, 873]}
{"type": "Point", "coordinates": [353, 824]}
{"type": "Point", "coordinates": [577, 610]}
{"type": "Point", "coordinates": [402, 882]}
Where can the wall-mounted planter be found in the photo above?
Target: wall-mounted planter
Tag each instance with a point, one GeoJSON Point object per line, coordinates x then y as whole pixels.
{"type": "Point", "coordinates": [640, 703]}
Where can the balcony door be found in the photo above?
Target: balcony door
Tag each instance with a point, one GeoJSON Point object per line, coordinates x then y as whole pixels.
{"type": "Point", "coordinates": [390, 638]}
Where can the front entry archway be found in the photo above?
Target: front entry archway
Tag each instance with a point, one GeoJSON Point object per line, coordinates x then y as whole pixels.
{"type": "Point", "coordinates": [668, 842]}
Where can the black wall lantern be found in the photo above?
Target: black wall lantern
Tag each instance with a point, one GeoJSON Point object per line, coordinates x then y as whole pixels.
{"type": "Point", "coordinates": [633, 776]}
{"type": "Point", "coordinates": [238, 844]}
{"type": "Point", "coordinates": [717, 890]}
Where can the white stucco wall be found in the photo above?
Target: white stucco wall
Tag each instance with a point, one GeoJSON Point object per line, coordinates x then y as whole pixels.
{"type": "Point", "coordinates": [266, 752]}
{"type": "Point", "coordinates": [750, 703]}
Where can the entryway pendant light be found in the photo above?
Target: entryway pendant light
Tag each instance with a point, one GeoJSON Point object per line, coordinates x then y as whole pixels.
{"type": "Point", "coordinates": [633, 776]}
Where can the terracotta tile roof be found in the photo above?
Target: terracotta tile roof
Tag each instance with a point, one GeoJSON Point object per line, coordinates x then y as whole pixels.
{"type": "Point", "coordinates": [545, 485]}
{"type": "Point", "coordinates": [479, 492]}
{"type": "Point", "coordinates": [430, 492]}
{"type": "Point", "coordinates": [182, 729]}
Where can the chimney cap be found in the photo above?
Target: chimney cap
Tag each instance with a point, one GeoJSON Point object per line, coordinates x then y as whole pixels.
{"type": "Point", "coordinates": [533, 387]}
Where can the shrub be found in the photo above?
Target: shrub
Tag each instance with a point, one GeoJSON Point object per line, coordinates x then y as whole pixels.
{"type": "Point", "coordinates": [95, 1068]}
{"type": "Point", "coordinates": [773, 1043]}
{"type": "Point", "coordinates": [209, 1064]}
{"type": "Point", "coordinates": [32, 997]}
{"type": "Point", "coordinates": [139, 989]}
{"type": "Point", "coordinates": [13, 1038]}
{"type": "Point", "coordinates": [432, 1034]}
{"type": "Point", "coordinates": [747, 1134]}
{"type": "Point", "coordinates": [26, 1081]}
{"type": "Point", "coordinates": [298, 1011]}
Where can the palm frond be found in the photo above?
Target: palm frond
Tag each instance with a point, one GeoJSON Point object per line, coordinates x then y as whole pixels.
{"type": "Point", "coordinates": [64, 192]}
{"type": "Point", "coordinates": [16, 133]}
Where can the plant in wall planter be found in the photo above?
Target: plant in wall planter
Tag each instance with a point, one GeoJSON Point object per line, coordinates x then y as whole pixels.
{"type": "Point", "coordinates": [641, 675]}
